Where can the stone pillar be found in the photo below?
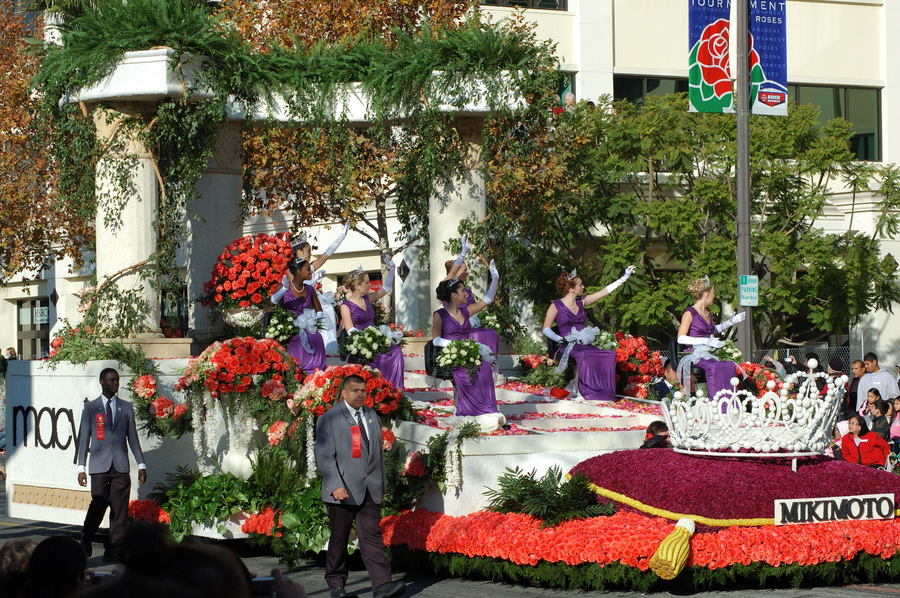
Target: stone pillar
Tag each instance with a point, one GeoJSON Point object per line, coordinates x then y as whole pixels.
{"type": "Point", "coordinates": [463, 197]}
{"type": "Point", "coordinates": [214, 222]}
{"type": "Point", "coordinates": [411, 301]}
{"type": "Point", "coordinates": [128, 198]}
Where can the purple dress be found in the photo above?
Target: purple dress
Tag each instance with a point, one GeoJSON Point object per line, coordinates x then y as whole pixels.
{"type": "Point", "coordinates": [308, 361]}
{"type": "Point", "coordinates": [390, 364]}
{"type": "Point", "coordinates": [596, 367]}
{"type": "Point", "coordinates": [718, 373]}
{"type": "Point", "coordinates": [476, 398]}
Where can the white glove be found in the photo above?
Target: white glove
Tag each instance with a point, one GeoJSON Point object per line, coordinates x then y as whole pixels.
{"type": "Point", "coordinates": [317, 276]}
{"type": "Point", "coordinates": [700, 340]}
{"type": "Point", "coordinates": [735, 319]}
{"type": "Point", "coordinates": [495, 280]}
{"type": "Point", "coordinates": [337, 242]}
{"type": "Point", "coordinates": [440, 341]}
{"type": "Point", "coordinates": [388, 285]}
{"type": "Point", "coordinates": [548, 332]}
{"type": "Point", "coordinates": [463, 251]}
{"type": "Point", "coordinates": [615, 285]}
{"type": "Point", "coordinates": [277, 295]}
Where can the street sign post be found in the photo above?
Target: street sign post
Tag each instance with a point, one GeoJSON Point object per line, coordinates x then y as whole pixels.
{"type": "Point", "coordinates": [748, 290]}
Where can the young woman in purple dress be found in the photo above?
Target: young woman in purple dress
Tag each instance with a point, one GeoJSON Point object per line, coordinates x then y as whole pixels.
{"type": "Point", "coordinates": [357, 313]}
{"type": "Point", "coordinates": [473, 397]}
{"type": "Point", "coordinates": [596, 367]}
{"type": "Point", "coordinates": [698, 332]}
{"type": "Point", "coordinates": [298, 296]}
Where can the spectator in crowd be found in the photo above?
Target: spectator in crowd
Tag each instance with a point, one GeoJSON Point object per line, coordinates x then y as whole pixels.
{"type": "Point", "coordinates": [866, 410]}
{"type": "Point", "coordinates": [657, 435]}
{"type": "Point", "coordinates": [11, 353]}
{"type": "Point", "coordinates": [862, 446]}
{"type": "Point", "coordinates": [570, 102]}
{"type": "Point", "coordinates": [835, 367]}
{"type": "Point", "coordinates": [882, 412]}
{"type": "Point", "coordinates": [790, 364]}
{"type": "Point", "coordinates": [857, 370]}
{"type": "Point", "coordinates": [667, 385]}
{"type": "Point", "coordinates": [14, 557]}
{"type": "Point", "coordinates": [810, 355]}
{"type": "Point", "coordinates": [56, 569]}
{"type": "Point", "coordinates": [877, 378]}
{"type": "Point", "coordinates": [895, 421]}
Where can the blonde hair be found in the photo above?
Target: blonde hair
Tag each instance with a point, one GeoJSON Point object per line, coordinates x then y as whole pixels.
{"type": "Point", "coordinates": [699, 286]}
{"type": "Point", "coordinates": [355, 278]}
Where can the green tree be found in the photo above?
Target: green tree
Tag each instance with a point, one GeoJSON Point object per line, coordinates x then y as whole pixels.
{"type": "Point", "coordinates": [653, 185]}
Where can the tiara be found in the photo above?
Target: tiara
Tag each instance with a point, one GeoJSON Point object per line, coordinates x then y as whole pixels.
{"type": "Point", "coordinates": [705, 280]}
{"type": "Point", "coordinates": [451, 281]}
{"type": "Point", "coordinates": [573, 274]}
{"type": "Point", "coordinates": [358, 272]}
{"type": "Point", "coordinates": [298, 240]}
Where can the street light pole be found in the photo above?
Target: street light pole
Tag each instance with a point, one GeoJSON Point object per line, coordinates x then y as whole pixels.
{"type": "Point", "coordinates": [742, 167]}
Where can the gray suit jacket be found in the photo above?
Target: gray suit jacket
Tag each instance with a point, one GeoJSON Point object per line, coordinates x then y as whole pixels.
{"type": "Point", "coordinates": [334, 456]}
{"type": "Point", "coordinates": [112, 450]}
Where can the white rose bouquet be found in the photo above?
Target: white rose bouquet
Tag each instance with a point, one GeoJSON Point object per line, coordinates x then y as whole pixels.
{"type": "Point", "coordinates": [606, 341]}
{"type": "Point", "coordinates": [490, 320]}
{"type": "Point", "coordinates": [281, 326]}
{"type": "Point", "coordinates": [728, 352]}
{"type": "Point", "coordinates": [464, 353]}
{"type": "Point", "coordinates": [362, 346]}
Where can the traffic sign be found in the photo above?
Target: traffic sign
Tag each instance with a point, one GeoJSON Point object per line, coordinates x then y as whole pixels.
{"type": "Point", "coordinates": [748, 290]}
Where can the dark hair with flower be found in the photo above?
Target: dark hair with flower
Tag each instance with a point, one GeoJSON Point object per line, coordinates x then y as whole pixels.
{"type": "Point", "coordinates": [247, 272]}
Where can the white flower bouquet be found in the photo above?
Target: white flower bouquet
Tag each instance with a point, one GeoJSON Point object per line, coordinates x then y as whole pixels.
{"type": "Point", "coordinates": [362, 346]}
{"type": "Point", "coordinates": [464, 353]}
{"type": "Point", "coordinates": [281, 326]}
{"type": "Point", "coordinates": [606, 341]}
{"type": "Point", "coordinates": [490, 320]}
{"type": "Point", "coordinates": [728, 352]}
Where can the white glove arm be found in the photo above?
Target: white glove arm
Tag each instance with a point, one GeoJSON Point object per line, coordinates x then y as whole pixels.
{"type": "Point", "coordinates": [735, 319]}
{"type": "Point", "coordinates": [492, 289]}
{"type": "Point", "coordinates": [388, 285]}
{"type": "Point", "coordinates": [277, 295]}
{"type": "Point", "coordinates": [317, 276]}
{"type": "Point", "coordinates": [440, 341]}
{"type": "Point", "coordinates": [698, 340]}
{"type": "Point", "coordinates": [337, 242]}
{"type": "Point", "coordinates": [548, 332]}
{"type": "Point", "coordinates": [463, 251]}
{"type": "Point", "coordinates": [615, 285]}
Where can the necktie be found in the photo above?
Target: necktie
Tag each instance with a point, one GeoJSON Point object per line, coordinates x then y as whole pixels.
{"type": "Point", "coordinates": [109, 416]}
{"type": "Point", "coordinates": [362, 430]}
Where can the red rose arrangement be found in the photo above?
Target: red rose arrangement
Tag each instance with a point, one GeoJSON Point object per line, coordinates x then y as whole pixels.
{"type": "Point", "coordinates": [258, 372]}
{"type": "Point", "coordinates": [321, 390]}
{"type": "Point", "coordinates": [414, 467]}
{"type": "Point", "coordinates": [247, 272]}
{"type": "Point", "coordinates": [636, 365]}
{"type": "Point", "coordinates": [159, 415]}
{"type": "Point", "coordinates": [407, 331]}
{"type": "Point", "coordinates": [147, 510]}
{"type": "Point", "coordinates": [263, 523]}
{"type": "Point", "coordinates": [761, 377]}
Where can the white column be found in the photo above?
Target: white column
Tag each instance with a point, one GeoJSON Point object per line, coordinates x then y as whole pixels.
{"type": "Point", "coordinates": [411, 296]}
{"type": "Point", "coordinates": [214, 221]}
{"type": "Point", "coordinates": [594, 45]}
{"type": "Point", "coordinates": [462, 198]}
{"type": "Point", "coordinates": [128, 198]}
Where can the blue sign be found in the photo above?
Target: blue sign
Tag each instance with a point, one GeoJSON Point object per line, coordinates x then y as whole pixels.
{"type": "Point", "coordinates": [768, 57]}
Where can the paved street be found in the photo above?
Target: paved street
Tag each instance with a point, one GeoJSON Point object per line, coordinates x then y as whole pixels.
{"type": "Point", "coordinates": [310, 574]}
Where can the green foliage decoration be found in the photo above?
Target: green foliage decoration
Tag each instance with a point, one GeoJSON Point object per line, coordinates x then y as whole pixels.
{"type": "Point", "coordinates": [549, 498]}
{"type": "Point", "coordinates": [206, 500]}
{"type": "Point", "coordinates": [545, 375]}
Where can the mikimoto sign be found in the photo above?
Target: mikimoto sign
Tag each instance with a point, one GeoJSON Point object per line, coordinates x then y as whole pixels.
{"type": "Point", "coordinates": [834, 508]}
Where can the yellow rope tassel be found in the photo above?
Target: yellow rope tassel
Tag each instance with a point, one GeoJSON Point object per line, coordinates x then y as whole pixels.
{"type": "Point", "coordinates": [672, 553]}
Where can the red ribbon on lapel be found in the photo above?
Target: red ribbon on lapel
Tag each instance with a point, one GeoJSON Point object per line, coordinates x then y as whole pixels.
{"type": "Point", "coordinates": [355, 442]}
{"type": "Point", "coordinates": [100, 420]}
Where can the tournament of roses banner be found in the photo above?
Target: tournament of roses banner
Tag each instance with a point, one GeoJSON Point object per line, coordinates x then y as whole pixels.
{"type": "Point", "coordinates": [709, 71]}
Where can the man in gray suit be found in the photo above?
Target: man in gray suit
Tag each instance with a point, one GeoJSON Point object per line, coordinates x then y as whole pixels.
{"type": "Point", "coordinates": [349, 455]}
{"type": "Point", "coordinates": [107, 424]}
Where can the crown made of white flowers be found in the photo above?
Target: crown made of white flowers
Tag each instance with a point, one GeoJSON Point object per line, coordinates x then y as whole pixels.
{"type": "Point", "coordinates": [797, 421]}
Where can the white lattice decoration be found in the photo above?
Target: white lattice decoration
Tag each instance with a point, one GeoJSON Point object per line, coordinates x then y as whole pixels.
{"type": "Point", "coordinates": [796, 422]}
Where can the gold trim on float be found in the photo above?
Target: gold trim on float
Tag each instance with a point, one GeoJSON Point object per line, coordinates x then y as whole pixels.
{"type": "Point", "coordinates": [43, 496]}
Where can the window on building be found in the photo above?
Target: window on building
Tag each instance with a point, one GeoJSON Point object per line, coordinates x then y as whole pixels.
{"type": "Point", "coordinates": [33, 328]}
{"type": "Point", "coordinates": [859, 105]}
{"type": "Point", "coordinates": [635, 88]}
{"type": "Point", "coordinates": [174, 312]}
{"type": "Point", "coordinates": [544, 4]}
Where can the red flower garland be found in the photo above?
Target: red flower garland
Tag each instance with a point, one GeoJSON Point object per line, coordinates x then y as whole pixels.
{"type": "Point", "coordinates": [636, 365]}
{"type": "Point", "coordinates": [247, 272]}
{"type": "Point", "coordinates": [632, 538]}
{"type": "Point", "coordinates": [321, 389]}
